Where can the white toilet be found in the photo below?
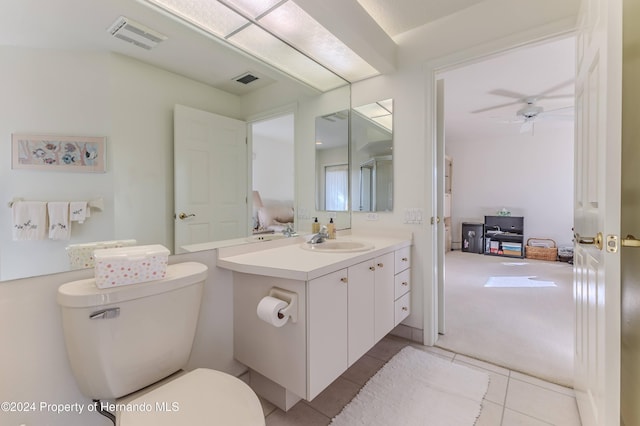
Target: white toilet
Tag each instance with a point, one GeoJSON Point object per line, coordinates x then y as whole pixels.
{"type": "Point", "coordinates": [123, 339]}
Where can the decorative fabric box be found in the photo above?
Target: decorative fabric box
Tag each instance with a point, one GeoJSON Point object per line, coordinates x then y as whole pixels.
{"type": "Point", "coordinates": [81, 255]}
{"type": "Point", "coordinates": [130, 265]}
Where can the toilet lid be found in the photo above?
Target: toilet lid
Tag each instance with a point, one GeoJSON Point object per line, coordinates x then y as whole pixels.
{"type": "Point", "coordinates": [200, 397]}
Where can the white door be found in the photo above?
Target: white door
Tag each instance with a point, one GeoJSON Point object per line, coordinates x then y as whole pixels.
{"type": "Point", "coordinates": [440, 212]}
{"type": "Point", "coordinates": [210, 169]}
{"type": "Point", "coordinates": [597, 212]}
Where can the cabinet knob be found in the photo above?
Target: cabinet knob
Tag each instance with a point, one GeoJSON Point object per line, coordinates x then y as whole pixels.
{"type": "Point", "coordinates": [344, 279]}
{"type": "Point", "coordinates": [404, 308]}
{"type": "Point", "coordinates": [372, 268]}
{"type": "Point", "coordinates": [404, 283]}
{"type": "Point", "coordinates": [380, 265]}
{"type": "Point", "coordinates": [405, 259]}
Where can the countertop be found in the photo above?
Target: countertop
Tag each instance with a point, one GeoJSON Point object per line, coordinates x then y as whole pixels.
{"type": "Point", "coordinates": [286, 259]}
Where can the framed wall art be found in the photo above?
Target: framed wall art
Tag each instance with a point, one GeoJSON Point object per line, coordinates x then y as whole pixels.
{"type": "Point", "coordinates": [58, 153]}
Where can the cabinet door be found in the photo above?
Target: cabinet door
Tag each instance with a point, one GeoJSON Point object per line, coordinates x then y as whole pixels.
{"type": "Point", "coordinates": [361, 309]}
{"type": "Point", "coordinates": [327, 336]}
{"type": "Point", "coordinates": [384, 295]}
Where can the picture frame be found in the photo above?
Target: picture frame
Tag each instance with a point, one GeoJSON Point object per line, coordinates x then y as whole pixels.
{"type": "Point", "coordinates": [84, 154]}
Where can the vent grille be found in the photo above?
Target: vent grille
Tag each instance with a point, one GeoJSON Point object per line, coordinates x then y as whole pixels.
{"type": "Point", "coordinates": [135, 33]}
{"type": "Point", "coordinates": [246, 78]}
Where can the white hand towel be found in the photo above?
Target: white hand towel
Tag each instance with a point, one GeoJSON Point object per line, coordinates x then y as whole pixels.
{"type": "Point", "coordinates": [59, 228]}
{"type": "Point", "coordinates": [29, 220]}
{"type": "Point", "coordinates": [79, 211]}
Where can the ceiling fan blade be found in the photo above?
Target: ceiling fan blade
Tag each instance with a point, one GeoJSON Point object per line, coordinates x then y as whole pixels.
{"type": "Point", "coordinates": [557, 117]}
{"type": "Point", "coordinates": [556, 87]}
{"type": "Point", "coordinates": [527, 126]}
{"type": "Point", "coordinates": [508, 94]}
{"type": "Point", "coordinates": [565, 96]}
{"type": "Point", "coordinates": [495, 107]}
{"type": "Point", "coordinates": [567, 109]}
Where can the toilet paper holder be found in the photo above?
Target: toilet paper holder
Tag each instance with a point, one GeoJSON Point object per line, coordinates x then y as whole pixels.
{"type": "Point", "coordinates": [292, 302]}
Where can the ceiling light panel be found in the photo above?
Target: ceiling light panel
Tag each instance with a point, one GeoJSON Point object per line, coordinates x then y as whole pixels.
{"type": "Point", "coordinates": [252, 8]}
{"type": "Point", "coordinates": [210, 15]}
{"type": "Point", "coordinates": [296, 27]}
{"type": "Point", "coordinates": [264, 46]}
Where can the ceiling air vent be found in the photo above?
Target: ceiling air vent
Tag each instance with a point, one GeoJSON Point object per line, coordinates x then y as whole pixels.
{"type": "Point", "coordinates": [246, 78]}
{"type": "Point", "coordinates": [134, 32]}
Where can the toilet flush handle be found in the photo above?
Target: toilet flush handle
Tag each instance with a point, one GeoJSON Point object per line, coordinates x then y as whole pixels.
{"type": "Point", "coordinates": [105, 314]}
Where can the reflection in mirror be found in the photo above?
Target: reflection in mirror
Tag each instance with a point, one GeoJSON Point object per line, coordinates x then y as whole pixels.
{"type": "Point", "coordinates": [332, 161]}
{"type": "Point", "coordinates": [103, 86]}
{"type": "Point", "coordinates": [372, 156]}
{"type": "Point", "coordinates": [272, 142]}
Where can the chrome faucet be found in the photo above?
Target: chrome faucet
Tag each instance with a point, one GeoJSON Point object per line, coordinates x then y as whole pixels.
{"type": "Point", "coordinates": [320, 236]}
{"type": "Point", "coordinates": [289, 232]}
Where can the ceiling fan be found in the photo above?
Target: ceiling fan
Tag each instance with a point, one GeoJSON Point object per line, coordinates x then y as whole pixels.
{"type": "Point", "coordinates": [530, 113]}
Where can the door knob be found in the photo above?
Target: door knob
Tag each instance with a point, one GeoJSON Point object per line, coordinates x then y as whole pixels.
{"type": "Point", "coordinates": [596, 241]}
{"type": "Point", "coordinates": [183, 215]}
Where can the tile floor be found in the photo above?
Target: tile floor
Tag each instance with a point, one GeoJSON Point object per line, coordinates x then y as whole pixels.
{"type": "Point", "coordinates": [512, 398]}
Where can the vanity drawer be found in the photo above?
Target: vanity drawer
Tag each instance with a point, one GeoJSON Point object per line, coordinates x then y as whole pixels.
{"type": "Point", "coordinates": [403, 308]}
{"type": "Point", "coordinates": [403, 283]}
{"type": "Point", "coordinates": [403, 259]}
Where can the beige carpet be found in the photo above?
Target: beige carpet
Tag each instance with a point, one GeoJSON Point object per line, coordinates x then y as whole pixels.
{"type": "Point", "coordinates": [528, 329]}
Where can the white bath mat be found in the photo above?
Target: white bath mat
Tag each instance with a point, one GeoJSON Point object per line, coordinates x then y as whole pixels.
{"type": "Point", "coordinates": [518, 282]}
{"type": "Point", "coordinates": [417, 388]}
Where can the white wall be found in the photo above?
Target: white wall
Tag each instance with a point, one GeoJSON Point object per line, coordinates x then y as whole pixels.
{"type": "Point", "coordinates": [273, 168]}
{"type": "Point", "coordinates": [60, 93]}
{"type": "Point", "coordinates": [531, 176]}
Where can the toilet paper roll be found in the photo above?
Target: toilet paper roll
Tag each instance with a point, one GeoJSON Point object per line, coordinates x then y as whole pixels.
{"type": "Point", "coordinates": [268, 310]}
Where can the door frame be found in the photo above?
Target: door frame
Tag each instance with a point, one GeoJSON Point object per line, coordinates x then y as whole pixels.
{"type": "Point", "coordinates": [288, 109]}
{"type": "Point", "coordinates": [433, 276]}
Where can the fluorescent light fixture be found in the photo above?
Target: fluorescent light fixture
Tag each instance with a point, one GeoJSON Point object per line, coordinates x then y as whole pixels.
{"type": "Point", "coordinates": [253, 8]}
{"type": "Point", "coordinates": [211, 16]}
{"type": "Point", "coordinates": [279, 33]}
{"type": "Point", "coordinates": [380, 112]}
{"type": "Point", "coordinates": [260, 44]}
{"type": "Point", "coordinates": [297, 28]}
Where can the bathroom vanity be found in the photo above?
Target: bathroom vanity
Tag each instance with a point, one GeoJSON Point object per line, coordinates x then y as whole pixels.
{"type": "Point", "coordinates": [347, 301]}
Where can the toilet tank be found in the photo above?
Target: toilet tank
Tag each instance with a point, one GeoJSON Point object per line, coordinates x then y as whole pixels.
{"type": "Point", "coordinates": [122, 339]}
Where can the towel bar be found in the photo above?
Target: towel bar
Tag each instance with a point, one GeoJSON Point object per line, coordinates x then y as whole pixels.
{"type": "Point", "coordinates": [96, 204]}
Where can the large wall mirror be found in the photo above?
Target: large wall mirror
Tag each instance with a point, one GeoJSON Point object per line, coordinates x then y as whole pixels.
{"type": "Point", "coordinates": [372, 157]}
{"type": "Point", "coordinates": [128, 95]}
{"type": "Point", "coordinates": [332, 161]}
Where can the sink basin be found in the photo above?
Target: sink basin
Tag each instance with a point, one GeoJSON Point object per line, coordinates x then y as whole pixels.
{"type": "Point", "coordinates": [338, 246]}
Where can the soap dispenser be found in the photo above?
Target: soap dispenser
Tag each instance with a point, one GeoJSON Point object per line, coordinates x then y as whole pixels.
{"type": "Point", "coordinates": [331, 229]}
{"type": "Point", "coordinates": [315, 226]}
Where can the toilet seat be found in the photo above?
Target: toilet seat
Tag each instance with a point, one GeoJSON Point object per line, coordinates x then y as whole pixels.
{"type": "Point", "coordinates": [200, 397]}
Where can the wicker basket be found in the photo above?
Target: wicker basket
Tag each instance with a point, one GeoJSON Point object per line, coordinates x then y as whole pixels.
{"type": "Point", "coordinates": [541, 253]}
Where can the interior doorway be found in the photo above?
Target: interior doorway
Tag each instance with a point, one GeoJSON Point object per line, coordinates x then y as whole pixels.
{"type": "Point", "coordinates": [508, 131]}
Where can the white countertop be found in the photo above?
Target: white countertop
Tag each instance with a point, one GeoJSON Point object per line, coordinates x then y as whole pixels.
{"type": "Point", "coordinates": [290, 261]}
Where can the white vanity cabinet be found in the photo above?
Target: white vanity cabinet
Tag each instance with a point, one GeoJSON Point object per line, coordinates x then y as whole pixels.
{"type": "Point", "coordinates": [344, 308]}
{"type": "Point", "coordinates": [327, 351]}
{"type": "Point", "coordinates": [402, 285]}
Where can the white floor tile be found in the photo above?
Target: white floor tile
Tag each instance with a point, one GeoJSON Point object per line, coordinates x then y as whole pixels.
{"type": "Point", "coordinates": [513, 418]}
{"type": "Point", "coordinates": [542, 383]}
{"type": "Point", "coordinates": [491, 414]}
{"type": "Point", "coordinates": [549, 406]}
